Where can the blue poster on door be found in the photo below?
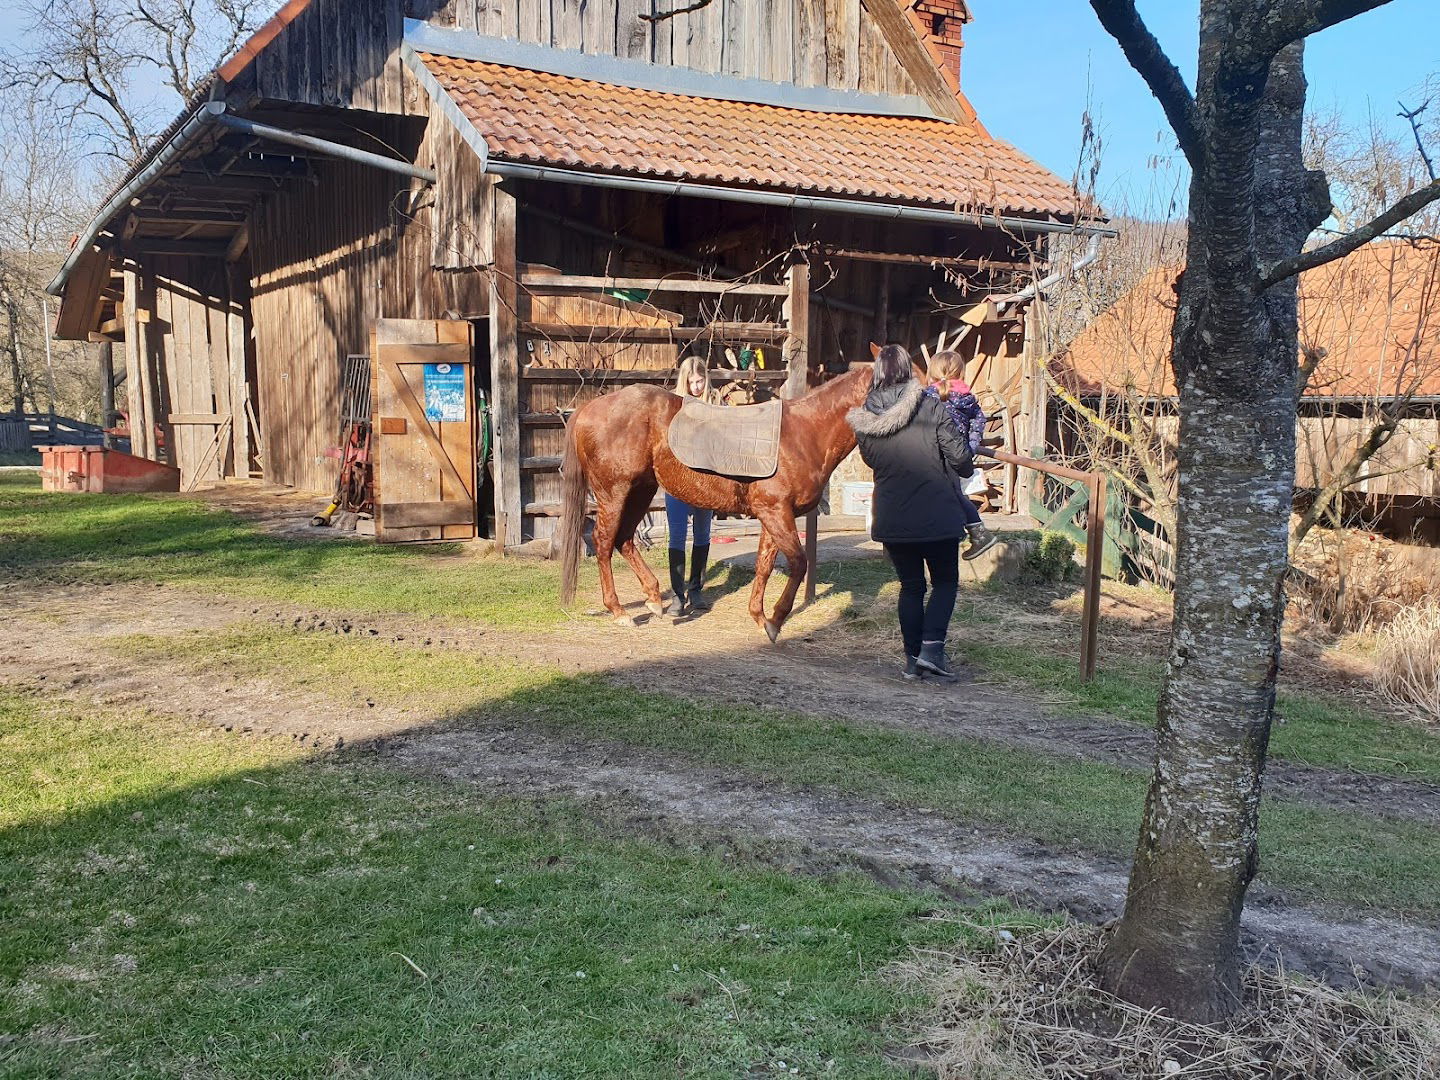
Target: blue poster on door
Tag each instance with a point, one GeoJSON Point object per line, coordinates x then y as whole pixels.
{"type": "Point", "coordinates": [444, 393]}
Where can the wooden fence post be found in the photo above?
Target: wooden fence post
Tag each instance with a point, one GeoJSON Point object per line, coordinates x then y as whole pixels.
{"type": "Point", "coordinates": [505, 371]}
{"type": "Point", "coordinates": [797, 380]}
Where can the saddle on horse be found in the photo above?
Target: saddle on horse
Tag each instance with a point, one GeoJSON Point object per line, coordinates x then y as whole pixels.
{"type": "Point", "coordinates": [732, 440]}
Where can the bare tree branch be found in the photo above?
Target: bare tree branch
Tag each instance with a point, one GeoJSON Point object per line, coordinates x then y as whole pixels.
{"type": "Point", "coordinates": [1290, 21]}
{"type": "Point", "coordinates": [1338, 249]}
{"type": "Point", "coordinates": [1413, 116]}
{"type": "Point", "coordinates": [1123, 23]}
{"type": "Point", "coordinates": [660, 16]}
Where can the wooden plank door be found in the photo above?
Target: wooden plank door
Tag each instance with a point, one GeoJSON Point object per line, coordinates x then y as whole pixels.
{"type": "Point", "coordinates": [422, 397]}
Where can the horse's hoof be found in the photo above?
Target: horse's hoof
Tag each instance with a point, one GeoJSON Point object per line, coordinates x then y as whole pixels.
{"type": "Point", "coordinates": [625, 620]}
{"type": "Point", "coordinates": [771, 631]}
{"type": "Point", "coordinates": [655, 608]}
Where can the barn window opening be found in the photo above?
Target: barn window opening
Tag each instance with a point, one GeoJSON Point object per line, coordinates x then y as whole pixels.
{"type": "Point", "coordinates": [937, 25]}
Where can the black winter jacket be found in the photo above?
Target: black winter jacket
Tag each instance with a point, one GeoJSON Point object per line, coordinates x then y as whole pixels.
{"type": "Point", "coordinates": [910, 444]}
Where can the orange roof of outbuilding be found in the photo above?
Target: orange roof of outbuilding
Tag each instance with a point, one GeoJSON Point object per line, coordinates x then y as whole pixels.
{"type": "Point", "coordinates": [1376, 313]}
{"type": "Point", "coordinates": [536, 117]}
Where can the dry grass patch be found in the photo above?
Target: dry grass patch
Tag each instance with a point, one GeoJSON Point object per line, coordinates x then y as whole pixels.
{"type": "Point", "coordinates": [1407, 661]}
{"type": "Point", "coordinates": [1029, 1008]}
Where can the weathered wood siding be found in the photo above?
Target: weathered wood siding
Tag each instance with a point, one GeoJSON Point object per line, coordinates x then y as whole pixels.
{"type": "Point", "coordinates": [193, 302]}
{"type": "Point", "coordinates": [342, 53]}
{"type": "Point", "coordinates": [807, 42]}
{"type": "Point", "coordinates": [327, 260]}
{"type": "Point", "coordinates": [345, 54]}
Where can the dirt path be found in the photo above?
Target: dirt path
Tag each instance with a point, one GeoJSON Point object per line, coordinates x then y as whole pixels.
{"type": "Point", "coordinates": [710, 659]}
{"type": "Point", "coordinates": [57, 642]}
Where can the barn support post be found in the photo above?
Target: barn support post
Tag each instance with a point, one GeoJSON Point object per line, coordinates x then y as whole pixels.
{"type": "Point", "coordinates": [239, 385]}
{"type": "Point", "coordinates": [107, 391]}
{"type": "Point", "coordinates": [139, 423]}
{"type": "Point", "coordinates": [797, 374]}
{"type": "Point", "coordinates": [1034, 395]}
{"type": "Point", "coordinates": [505, 371]}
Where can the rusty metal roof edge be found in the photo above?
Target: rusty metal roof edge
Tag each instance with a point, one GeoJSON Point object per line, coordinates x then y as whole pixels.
{"type": "Point", "coordinates": [664, 78]}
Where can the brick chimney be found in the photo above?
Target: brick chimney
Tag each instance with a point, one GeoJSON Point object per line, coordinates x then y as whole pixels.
{"type": "Point", "coordinates": [940, 23]}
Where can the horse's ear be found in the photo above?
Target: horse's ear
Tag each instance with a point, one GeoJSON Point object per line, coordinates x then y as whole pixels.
{"type": "Point", "coordinates": [874, 351]}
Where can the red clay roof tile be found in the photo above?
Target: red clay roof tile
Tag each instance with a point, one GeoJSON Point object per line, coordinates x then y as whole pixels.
{"type": "Point", "coordinates": [541, 118]}
{"type": "Point", "coordinates": [1374, 312]}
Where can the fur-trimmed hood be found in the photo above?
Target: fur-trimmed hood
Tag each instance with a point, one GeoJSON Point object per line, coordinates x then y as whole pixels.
{"type": "Point", "coordinates": [886, 410]}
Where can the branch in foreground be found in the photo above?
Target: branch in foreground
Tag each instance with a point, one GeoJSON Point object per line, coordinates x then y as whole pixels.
{"type": "Point", "coordinates": [1337, 249]}
{"type": "Point", "coordinates": [661, 16]}
{"type": "Point", "coordinates": [1300, 18]}
{"type": "Point", "coordinates": [1123, 23]}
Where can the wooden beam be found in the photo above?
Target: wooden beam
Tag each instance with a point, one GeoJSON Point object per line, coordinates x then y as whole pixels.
{"type": "Point", "coordinates": [190, 419]}
{"type": "Point", "coordinates": [505, 368]}
{"type": "Point", "coordinates": [141, 429]}
{"type": "Point", "coordinates": [620, 376]}
{"type": "Point", "coordinates": [238, 243]}
{"type": "Point", "coordinates": [205, 249]}
{"type": "Point", "coordinates": [899, 258]}
{"type": "Point", "coordinates": [724, 331]}
{"type": "Point", "coordinates": [905, 43]}
{"type": "Point", "coordinates": [580, 283]}
{"type": "Point", "coordinates": [236, 340]}
{"type": "Point", "coordinates": [797, 322]}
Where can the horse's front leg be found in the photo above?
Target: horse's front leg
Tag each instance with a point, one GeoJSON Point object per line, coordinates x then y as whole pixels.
{"type": "Point", "coordinates": [779, 525]}
{"type": "Point", "coordinates": [764, 564]}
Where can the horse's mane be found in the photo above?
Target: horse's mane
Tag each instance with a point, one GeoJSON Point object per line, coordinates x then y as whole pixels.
{"type": "Point", "coordinates": [820, 398]}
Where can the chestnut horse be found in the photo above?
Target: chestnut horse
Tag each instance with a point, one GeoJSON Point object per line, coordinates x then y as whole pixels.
{"type": "Point", "coordinates": [617, 446]}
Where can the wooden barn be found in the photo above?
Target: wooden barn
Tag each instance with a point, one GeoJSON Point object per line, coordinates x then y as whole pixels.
{"type": "Point", "coordinates": [463, 218]}
{"type": "Point", "coordinates": [1369, 325]}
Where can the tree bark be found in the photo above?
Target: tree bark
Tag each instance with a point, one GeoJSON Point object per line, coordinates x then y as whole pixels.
{"type": "Point", "coordinates": [1235, 350]}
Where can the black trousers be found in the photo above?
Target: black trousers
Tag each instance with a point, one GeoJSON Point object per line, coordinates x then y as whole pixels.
{"type": "Point", "coordinates": [921, 620]}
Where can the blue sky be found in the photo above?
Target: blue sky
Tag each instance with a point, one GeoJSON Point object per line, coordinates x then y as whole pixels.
{"type": "Point", "coordinates": [1029, 66]}
{"type": "Point", "coordinates": [1362, 67]}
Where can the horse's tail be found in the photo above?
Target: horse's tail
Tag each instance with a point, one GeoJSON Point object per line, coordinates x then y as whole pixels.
{"type": "Point", "coordinates": [572, 514]}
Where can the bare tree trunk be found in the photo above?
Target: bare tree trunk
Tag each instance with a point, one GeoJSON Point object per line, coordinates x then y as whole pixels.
{"type": "Point", "coordinates": [1235, 351]}
{"type": "Point", "coordinates": [17, 368]}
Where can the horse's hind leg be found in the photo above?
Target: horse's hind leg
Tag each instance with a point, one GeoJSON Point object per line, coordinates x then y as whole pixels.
{"type": "Point", "coordinates": [637, 505]}
{"type": "Point", "coordinates": [608, 514]}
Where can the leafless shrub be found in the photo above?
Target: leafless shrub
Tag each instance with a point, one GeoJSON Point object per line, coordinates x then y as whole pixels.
{"type": "Point", "coordinates": [1031, 1008]}
{"type": "Point", "coordinates": [1407, 664]}
{"type": "Point", "coordinates": [1347, 580]}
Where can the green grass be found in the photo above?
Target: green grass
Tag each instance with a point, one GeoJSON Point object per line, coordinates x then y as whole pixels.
{"type": "Point", "coordinates": [1352, 859]}
{"type": "Point", "coordinates": [1311, 731]}
{"type": "Point", "coordinates": [176, 541]}
{"type": "Point", "coordinates": [181, 902]}
{"type": "Point", "coordinates": [164, 539]}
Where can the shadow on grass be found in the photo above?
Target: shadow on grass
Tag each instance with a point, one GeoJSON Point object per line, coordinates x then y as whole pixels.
{"type": "Point", "coordinates": [190, 902]}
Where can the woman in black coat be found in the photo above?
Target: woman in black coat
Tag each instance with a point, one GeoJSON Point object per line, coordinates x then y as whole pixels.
{"type": "Point", "coordinates": [915, 453]}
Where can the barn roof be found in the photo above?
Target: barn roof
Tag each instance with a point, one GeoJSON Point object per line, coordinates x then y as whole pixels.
{"type": "Point", "coordinates": [1376, 313]}
{"type": "Point", "coordinates": [543, 118]}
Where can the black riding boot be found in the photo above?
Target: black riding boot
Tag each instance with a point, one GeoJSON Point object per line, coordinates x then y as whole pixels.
{"type": "Point", "coordinates": [676, 607]}
{"type": "Point", "coordinates": [699, 559]}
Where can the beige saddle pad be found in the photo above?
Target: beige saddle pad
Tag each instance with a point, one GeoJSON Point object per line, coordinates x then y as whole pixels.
{"type": "Point", "coordinates": [732, 440]}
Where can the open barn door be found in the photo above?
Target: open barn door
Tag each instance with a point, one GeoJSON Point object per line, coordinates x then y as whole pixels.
{"type": "Point", "coordinates": [424, 448]}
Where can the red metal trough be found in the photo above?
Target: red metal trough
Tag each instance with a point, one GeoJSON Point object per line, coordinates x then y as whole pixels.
{"type": "Point", "coordinates": [98, 469]}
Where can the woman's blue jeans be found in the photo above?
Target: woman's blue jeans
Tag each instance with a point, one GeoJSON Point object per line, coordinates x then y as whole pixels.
{"type": "Point", "coordinates": [678, 514]}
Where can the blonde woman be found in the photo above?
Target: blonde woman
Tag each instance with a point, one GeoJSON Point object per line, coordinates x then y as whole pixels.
{"type": "Point", "coordinates": [946, 376]}
{"type": "Point", "coordinates": [692, 380]}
